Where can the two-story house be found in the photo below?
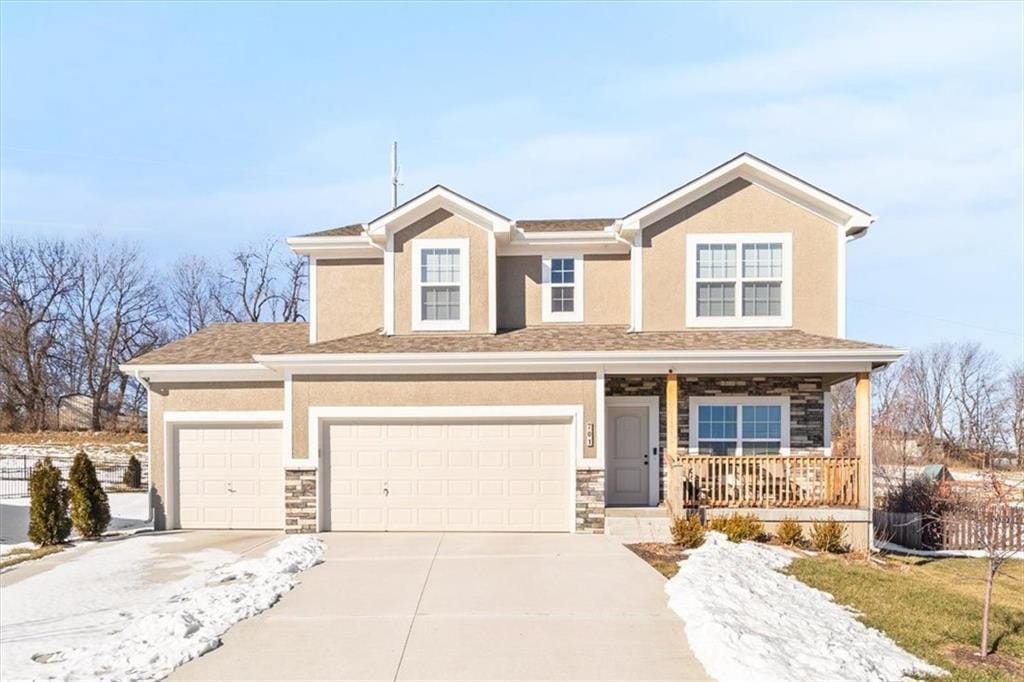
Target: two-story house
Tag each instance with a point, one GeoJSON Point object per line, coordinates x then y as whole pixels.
{"type": "Point", "coordinates": [462, 370]}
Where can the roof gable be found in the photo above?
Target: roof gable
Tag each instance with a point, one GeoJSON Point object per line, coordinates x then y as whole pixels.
{"type": "Point", "coordinates": [437, 197]}
{"type": "Point", "coordinates": [759, 172]}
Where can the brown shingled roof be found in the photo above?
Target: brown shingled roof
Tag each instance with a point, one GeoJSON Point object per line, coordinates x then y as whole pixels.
{"type": "Point", "coordinates": [353, 230]}
{"type": "Point", "coordinates": [585, 337]}
{"type": "Point", "coordinates": [229, 343]}
{"type": "Point", "coordinates": [237, 343]}
{"type": "Point", "coordinates": [564, 225]}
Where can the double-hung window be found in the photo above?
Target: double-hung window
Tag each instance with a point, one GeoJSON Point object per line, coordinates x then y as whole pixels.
{"type": "Point", "coordinates": [440, 284]}
{"type": "Point", "coordinates": [562, 288]}
{"type": "Point", "coordinates": [739, 280]}
{"type": "Point", "coordinates": [739, 425]}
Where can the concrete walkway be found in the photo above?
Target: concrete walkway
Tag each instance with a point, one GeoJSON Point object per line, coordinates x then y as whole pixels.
{"type": "Point", "coordinates": [432, 606]}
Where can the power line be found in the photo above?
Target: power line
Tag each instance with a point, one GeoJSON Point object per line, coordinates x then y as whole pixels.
{"type": "Point", "coordinates": [937, 319]}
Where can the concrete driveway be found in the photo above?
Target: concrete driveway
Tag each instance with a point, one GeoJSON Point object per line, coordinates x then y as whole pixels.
{"type": "Point", "coordinates": [433, 606]}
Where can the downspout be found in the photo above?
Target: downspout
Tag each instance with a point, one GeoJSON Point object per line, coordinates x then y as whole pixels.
{"type": "Point", "coordinates": [632, 298]}
{"type": "Point", "coordinates": [149, 446]}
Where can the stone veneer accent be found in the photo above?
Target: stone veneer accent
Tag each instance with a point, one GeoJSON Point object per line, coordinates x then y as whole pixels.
{"type": "Point", "coordinates": [806, 405]}
{"type": "Point", "coordinates": [300, 500]}
{"type": "Point", "coordinates": [590, 500]}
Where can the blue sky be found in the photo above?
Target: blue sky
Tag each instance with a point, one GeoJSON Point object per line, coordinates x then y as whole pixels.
{"type": "Point", "coordinates": [194, 127]}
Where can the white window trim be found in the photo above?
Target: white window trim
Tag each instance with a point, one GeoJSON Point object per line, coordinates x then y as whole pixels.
{"type": "Point", "coordinates": [577, 309]}
{"type": "Point", "coordinates": [419, 324]}
{"type": "Point", "coordinates": [738, 240]}
{"type": "Point", "coordinates": [738, 400]}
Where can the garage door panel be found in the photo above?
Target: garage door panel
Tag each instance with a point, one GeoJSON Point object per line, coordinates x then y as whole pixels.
{"type": "Point", "coordinates": [449, 476]}
{"type": "Point", "coordinates": [230, 477]}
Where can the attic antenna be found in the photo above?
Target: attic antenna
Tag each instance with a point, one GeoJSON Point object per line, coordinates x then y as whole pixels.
{"type": "Point", "coordinates": [394, 174]}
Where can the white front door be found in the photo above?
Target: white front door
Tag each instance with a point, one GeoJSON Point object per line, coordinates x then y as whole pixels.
{"type": "Point", "coordinates": [449, 475]}
{"type": "Point", "coordinates": [230, 477]}
{"type": "Point", "coordinates": [628, 453]}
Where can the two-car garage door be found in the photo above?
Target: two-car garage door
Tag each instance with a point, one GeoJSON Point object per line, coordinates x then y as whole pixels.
{"type": "Point", "coordinates": [508, 475]}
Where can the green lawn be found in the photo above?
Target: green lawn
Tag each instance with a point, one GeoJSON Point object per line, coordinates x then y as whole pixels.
{"type": "Point", "coordinates": [931, 607]}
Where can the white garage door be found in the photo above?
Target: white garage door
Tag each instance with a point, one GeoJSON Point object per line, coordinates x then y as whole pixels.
{"type": "Point", "coordinates": [506, 476]}
{"type": "Point", "coordinates": [230, 477]}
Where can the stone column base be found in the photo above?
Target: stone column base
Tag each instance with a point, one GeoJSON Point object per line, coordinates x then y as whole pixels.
{"type": "Point", "coordinates": [300, 500]}
{"type": "Point", "coordinates": [590, 501]}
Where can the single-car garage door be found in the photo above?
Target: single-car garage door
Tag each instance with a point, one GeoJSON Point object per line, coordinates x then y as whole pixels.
{"type": "Point", "coordinates": [453, 476]}
{"type": "Point", "coordinates": [230, 477]}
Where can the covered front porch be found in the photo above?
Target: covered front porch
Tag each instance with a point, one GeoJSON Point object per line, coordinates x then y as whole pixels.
{"type": "Point", "coordinates": [752, 441]}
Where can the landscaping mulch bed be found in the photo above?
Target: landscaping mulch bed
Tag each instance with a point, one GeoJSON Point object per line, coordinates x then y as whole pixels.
{"type": "Point", "coordinates": [662, 556]}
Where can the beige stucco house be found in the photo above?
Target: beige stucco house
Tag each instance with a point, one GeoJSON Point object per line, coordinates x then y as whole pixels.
{"type": "Point", "coordinates": [467, 371]}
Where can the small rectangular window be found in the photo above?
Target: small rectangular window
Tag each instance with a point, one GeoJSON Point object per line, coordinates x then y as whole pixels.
{"type": "Point", "coordinates": [563, 286]}
{"type": "Point", "coordinates": [439, 272]}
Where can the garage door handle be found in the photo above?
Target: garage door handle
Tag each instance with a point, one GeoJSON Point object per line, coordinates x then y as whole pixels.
{"type": "Point", "coordinates": [230, 488]}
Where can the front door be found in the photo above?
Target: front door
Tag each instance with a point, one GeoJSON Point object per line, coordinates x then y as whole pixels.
{"type": "Point", "coordinates": [628, 455]}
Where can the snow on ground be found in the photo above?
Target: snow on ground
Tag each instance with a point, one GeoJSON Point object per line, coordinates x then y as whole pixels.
{"type": "Point", "coordinates": [746, 621]}
{"type": "Point", "coordinates": [115, 453]}
{"type": "Point", "coordinates": [100, 616]}
{"type": "Point", "coordinates": [128, 512]}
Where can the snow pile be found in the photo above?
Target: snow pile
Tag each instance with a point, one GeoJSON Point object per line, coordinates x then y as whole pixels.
{"type": "Point", "coordinates": [190, 623]}
{"type": "Point", "coordinates": [746, 621]}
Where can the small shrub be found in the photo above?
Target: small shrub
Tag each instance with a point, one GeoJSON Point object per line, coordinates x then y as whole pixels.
{"type": "Point", "coordinates": [921, 496]}
{"type": "Point", "coordinates": [739, 527]}
{"type": "Point", "coordinates": [133, 474]}
{"type": "Point", "coordinates": [827, 536]}
{"type": "Point", "coordinates": [48, 522]}
{"type": "Point", "coordinates": [90, 509]}
{"type": "Point", "coordinates": [790, 533]}
{"type": "Point", "coordinates": [687, 531]}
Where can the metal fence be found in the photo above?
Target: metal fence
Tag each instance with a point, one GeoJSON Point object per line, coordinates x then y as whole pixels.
{"type": "Point", "coordinates": [16, 469]}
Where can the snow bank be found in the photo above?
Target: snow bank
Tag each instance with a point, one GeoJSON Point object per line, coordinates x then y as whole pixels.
{"type": "Point", "coordinates": [746, 621]}
{"type": "Point", "coordinates": [190, 623]}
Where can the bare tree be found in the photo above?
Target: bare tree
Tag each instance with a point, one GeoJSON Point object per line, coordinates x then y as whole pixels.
{"type": "Point", "coordinates": [193, 295]}
{"type": "Point", "coordinates": [927, 382]}
{"type": "Point", "coordinates": [115, 314]}
{"type": "Point", "coordinates": [247, 293]}
{"type": "Point", "coordinates": [294, 277]}
{"type": "Point", "coordinates": [1016, 409]}
{"type": "Point", "coordinates": [259, 284]}
{"type": "Point", "coordinates": [989, 512]}
{"type": "Point", "coordinates": [35, 280]}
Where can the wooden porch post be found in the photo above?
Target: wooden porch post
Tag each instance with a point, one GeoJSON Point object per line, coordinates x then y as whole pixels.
{"type": "Point", "coordinates": [862, 438]}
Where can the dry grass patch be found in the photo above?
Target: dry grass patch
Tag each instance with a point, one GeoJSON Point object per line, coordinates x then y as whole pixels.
{"type": "Point", "coordinates": [70, 438]}
{"type": "Point", "coordinates": [663, 556]}
{"type": "Point", "coordinates": [931, 607]}
{"type": "Point", "coordinates": [21, 554]}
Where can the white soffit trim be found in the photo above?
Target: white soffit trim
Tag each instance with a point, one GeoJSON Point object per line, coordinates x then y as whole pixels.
{"type": "Point", "coordinates": [344, 246]}
{"type": "Point", "coordinates": [765, 175]}
{"type": "Point", "coordinates": [619, 362]}
{"type": "Point", "coordinates": [195, 373]}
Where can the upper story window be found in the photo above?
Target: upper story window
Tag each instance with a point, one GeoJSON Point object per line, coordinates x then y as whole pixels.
{"type": "Point", "coordinates": [440, 283]}
{"type": "Point", "coordinates": [563, 289]}
{"type": "Point", "coordinates": [739, 425]}
{"type": "Point", "coordinates": [739, 280]}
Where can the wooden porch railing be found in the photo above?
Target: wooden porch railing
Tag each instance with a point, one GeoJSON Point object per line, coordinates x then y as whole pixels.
{"type": "Point", "coordinates": [764, 481]}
